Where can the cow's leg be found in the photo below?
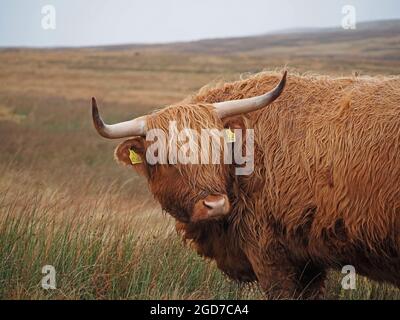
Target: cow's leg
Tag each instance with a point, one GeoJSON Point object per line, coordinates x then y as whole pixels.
{"type": "Point", "coordinates": [311, 282]}
{"type": "Point", "coordinates": [277, 278]}
{"type": "Point", "coordinates": [284, 280]}
{"type": "Point", "coordinates": [278, 281]}
{"type": "Point", "coordinates": [279, 275]}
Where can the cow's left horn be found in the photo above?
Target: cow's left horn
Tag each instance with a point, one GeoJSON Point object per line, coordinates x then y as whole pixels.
{"type": "Point", "coordinates": [235, 107]}
{"type": "Point", "coordinates": [135, 127]}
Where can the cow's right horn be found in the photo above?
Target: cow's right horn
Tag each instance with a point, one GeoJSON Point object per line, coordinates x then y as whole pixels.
{"type": "Point", "coordinates": [234, 107]}
{"type": "Point", "coordinates": [135, 127]}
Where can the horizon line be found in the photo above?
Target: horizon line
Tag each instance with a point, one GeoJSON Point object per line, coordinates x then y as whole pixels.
{"type": "Point", "coordinates": [287, 31]}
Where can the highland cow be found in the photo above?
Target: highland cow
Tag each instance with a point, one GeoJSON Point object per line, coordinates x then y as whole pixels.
{"type": "Point", "coordinates": [324, 193]}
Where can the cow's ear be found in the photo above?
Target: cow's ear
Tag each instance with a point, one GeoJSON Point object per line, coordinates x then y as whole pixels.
{"type": "Point", "coordinates": [132, 153]}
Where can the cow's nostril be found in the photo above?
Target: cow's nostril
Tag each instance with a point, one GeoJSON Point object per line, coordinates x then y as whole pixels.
{"type": "Point", "coordinates": [208, 205]}
{"type": "Point", "coordinates": [213, 206]}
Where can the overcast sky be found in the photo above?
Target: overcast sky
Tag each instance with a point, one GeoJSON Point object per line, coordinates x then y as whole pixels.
{"type": "Point", "coordinates": [98, 22]}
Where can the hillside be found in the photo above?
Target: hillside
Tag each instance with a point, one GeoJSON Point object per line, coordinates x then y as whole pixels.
{"type": "Point", "coordinates": [376, 43]}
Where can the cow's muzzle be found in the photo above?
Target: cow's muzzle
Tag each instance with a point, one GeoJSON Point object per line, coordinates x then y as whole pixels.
{"type": "Point", "coordinates": [211, 207]}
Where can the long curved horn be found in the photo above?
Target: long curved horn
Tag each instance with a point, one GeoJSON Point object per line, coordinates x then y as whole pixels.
{"type": "Point", "coordinates": [235, 107]}
{"type": "Point", "coordinates": [135, 127]}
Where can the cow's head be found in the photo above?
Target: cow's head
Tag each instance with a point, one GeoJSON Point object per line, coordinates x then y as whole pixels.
{"type": "Point", "coordinates": [190, 192]}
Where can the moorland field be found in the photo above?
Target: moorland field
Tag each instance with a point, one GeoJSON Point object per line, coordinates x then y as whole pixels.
{"type": "Point", "coordinates": [65, 202]}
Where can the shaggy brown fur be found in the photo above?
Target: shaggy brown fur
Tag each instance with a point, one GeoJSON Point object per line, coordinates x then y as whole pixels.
{"type": "Point", "coordinates": [325, 191]}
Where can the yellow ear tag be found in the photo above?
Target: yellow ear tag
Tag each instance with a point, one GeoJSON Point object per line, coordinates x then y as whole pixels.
{"type": "Point", "coordinates": [230, 136]}
{"type": "Point", "coordinates": [135, 158]}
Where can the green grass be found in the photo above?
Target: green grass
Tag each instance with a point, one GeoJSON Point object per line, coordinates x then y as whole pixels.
{"type": "Point", "coordinates": [99, 257]}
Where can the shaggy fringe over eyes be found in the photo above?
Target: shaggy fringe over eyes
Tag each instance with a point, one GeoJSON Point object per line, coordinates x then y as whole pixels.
{"type": "Point", "coordinates": [195, 117]}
